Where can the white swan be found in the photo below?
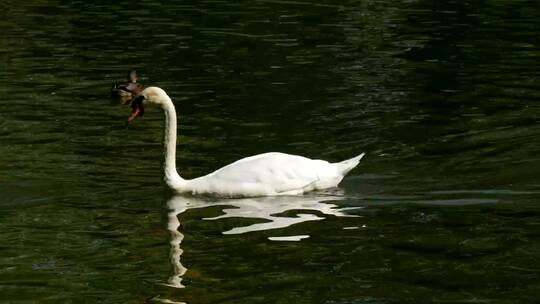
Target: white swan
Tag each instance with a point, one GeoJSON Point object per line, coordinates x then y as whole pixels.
{"type": "Point", "coordinates": [265, 174]}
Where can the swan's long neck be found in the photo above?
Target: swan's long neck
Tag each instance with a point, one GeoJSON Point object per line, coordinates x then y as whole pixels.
{"type": "Point", "coordinates": [172, 178]}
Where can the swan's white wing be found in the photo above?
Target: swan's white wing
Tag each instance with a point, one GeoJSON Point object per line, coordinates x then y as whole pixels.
{"type": "Point", "coordinates": [274, 172]}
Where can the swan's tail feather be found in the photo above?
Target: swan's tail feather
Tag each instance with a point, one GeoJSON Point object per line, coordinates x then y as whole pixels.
{"type": "Point", "coordinates": [347, 165]}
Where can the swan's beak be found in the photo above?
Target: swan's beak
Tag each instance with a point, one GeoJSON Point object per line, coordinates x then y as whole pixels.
{"type": "Point", "coordinates": [137, 108]}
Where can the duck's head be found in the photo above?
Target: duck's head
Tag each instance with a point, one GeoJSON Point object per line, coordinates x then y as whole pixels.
{"type": "Point", "coordinates": [133, 76]}
{"type": "Point", "coordinates": [127, 90]}
{"type": "Point", "coordinates": [149, 96]}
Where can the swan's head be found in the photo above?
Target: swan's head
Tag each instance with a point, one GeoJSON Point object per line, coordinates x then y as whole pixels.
{"type": "Point", "coordinates": [149, 96]}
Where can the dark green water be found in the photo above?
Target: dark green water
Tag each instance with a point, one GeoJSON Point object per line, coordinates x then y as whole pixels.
{"type": "Point", "coordinates": [443, 97]}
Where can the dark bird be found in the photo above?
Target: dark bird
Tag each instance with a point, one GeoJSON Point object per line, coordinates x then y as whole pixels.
{"type": "Point", "coordinates": [126, 91]}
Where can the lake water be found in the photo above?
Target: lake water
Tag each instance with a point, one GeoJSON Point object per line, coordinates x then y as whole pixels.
{"type": "Point", "coordinates": [443, 97]}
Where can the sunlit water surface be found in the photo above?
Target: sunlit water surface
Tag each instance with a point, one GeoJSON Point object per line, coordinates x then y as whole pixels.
{"type": "Point", "coordinates": [443, 97]}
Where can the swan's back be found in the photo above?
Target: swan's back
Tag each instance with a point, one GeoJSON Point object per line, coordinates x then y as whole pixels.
{"type": "Point", "coordinates": [271, 173]}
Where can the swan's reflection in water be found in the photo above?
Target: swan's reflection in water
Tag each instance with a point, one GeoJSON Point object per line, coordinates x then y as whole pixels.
{"type": "Point", "coordinates": [173, 225]}
{"type": "Point", "coordinates": [269, 209]}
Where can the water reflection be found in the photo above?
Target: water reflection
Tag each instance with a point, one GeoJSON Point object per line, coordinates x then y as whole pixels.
{"type": "Point", "coordinates": [173, 225]}
{"type": "Point", "coordinates": [269, 209]}
{"type": "Point", "coordinates": [274, 211]}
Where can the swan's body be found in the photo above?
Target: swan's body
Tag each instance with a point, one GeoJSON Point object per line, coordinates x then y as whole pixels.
{"type": "Point", "coordinates": [271, 173]}
{"type": "Point", "coordinates": [260, 175]}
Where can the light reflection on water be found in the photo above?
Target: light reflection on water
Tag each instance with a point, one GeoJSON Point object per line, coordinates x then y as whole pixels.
{"type": "Point", "coordinates": [268, 209]}
{"type": "Point", "coordinates": [271, 210]}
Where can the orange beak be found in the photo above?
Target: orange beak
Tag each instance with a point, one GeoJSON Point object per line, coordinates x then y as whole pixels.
{"type": "Point", "coordinates": [137, 108]}
{"type": "Point", "coordinates": [134, 113]}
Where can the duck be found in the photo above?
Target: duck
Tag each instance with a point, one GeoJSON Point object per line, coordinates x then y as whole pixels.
{"type": "Point", "coordinates": [267, 174]}
{"type": "Point", "coordinates": [128, 90]}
